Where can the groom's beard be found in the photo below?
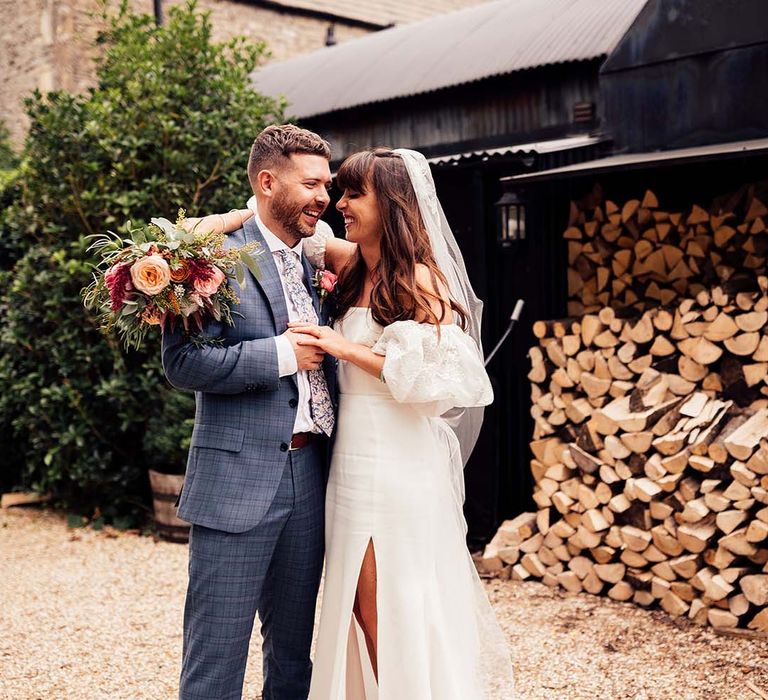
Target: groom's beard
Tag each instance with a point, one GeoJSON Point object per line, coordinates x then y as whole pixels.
{"type": "Point", "coordinates": [288, 215]}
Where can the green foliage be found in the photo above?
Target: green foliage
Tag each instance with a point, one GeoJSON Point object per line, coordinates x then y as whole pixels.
{"type": "Point", "coordinates": [169, 446]}
{"type": "Point", "coordinates": [168, 125]}
{"type": "Point", "coordinates": [8, 159]}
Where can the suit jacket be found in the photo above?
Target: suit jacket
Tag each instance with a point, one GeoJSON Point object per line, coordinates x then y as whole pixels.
{"type": "Point", "coordinates": [245, 412]}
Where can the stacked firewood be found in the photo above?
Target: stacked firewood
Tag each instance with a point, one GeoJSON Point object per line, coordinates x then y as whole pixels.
{"type": "Point", "coordinates": [640, 256]}
{"type": "Point", "coordinates": [651, 458]}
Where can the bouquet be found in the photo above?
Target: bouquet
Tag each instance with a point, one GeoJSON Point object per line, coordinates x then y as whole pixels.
{"type": "Point", "coordinates": [163, 274]}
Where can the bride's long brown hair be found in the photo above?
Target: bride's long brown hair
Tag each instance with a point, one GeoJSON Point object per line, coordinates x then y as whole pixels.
{"type": "Point", "coordinates": [396, 295]}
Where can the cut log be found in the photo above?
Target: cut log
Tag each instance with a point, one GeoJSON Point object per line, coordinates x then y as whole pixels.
{"type": "Point", "coordinates": [743, 344]}
{"type": "Point", "coordinates": [738, 605]}
{"type": "Point", "coordinates": [755, 589]}
{"type": "Point", "coordinates": [690, 369]}
{"type": "Point", "coordinates": [685, 566]}
{"type": "Point", "coordinates": [533, 565]}
{"type": "Point", "coordinates": [700, 350]}
{"type": "Point", "coordinates": [639, 442]}
{"type": "Point", "coordinates": [610, 573]}
{"type": "Point", "coordinates": [594, 386]}
{"type": "Point", "coordinates": [584, 461]}
{"type": "Point", "coordinates": [643, 331]}
{"type": "Point", "coordinates": [695, 537]}
{"type": "Point", "coordinates": [757, 531]}
{"type": "Point", "coordinates": [759, 621]}
{"type": "Point", "coordinates": [674, 605]}
{"type": "Point", "coordinates": [752, 321]}
{"type": "Point", "coordinates": [722, 618]}
{"type": "Point", "coordinates": [621, 591]}
{"type": "Point", "coordinates": [718, 588]}
{"type": "Point", "coordinates": [665, 542]}
{"type": "Point", "coordinates": [722, 328]}
{"type": "Point", "coordinates": [635, 539]}
{"type": "Point", "coordinates": [737, 543]}
{"type": "Point", "coordinates": [729, 520]}
{"type": "Point", "coordinates": [741, 443]}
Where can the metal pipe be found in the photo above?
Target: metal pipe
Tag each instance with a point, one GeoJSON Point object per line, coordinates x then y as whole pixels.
{"type": "Point", "coordinates": [512, 320]}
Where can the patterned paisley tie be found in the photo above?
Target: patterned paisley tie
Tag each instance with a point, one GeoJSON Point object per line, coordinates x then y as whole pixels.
{"type": "Point", "coordinates": [320, 398]}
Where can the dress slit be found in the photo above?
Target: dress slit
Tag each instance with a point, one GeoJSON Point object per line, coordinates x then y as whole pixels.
{"type": "Point", "coordinates": [370, 593]}
{"type": "Point", "coordinates": [361, 683]}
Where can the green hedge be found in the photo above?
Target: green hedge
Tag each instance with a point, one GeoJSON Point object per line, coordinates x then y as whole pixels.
{"type": "Point", "coordinates": [169, 124]}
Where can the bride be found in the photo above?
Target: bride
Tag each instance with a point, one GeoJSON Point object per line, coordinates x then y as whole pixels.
{"type": "Point", "coordinates": [404, 615]}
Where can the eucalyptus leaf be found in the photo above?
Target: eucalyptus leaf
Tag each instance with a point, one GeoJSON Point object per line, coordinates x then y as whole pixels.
{"type": "Point", "coordinates": [164, 225]}
{"type": "Point", "coordinates": [180, 235]}
{"type": "Point", "coordinates": [251, 264]}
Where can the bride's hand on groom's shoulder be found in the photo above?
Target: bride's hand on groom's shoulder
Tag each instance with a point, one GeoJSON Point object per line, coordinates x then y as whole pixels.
{"type": "Point", "coordinates": [321, 337]}
{"type": "Point", "coordinates": [217, 223]}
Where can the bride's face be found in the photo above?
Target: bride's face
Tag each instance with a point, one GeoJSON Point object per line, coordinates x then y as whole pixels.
{"type": "Point", "coordinates": [362, 220]}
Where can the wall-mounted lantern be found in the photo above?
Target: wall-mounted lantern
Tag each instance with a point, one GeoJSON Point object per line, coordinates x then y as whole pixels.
{"type": "Point", "coordinates": [511, 218]}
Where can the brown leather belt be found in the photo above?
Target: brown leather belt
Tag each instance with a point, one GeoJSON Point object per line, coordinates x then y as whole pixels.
{"type": "Point", "coordinates": [300, 440]}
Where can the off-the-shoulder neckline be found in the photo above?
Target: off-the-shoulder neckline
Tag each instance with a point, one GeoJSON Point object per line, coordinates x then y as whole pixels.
{"type": "Point", "coordinates": [442, 325]}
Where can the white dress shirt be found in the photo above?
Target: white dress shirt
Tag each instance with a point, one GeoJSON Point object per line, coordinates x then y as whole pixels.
{"type": "Point", "coordinates": [286, 358]}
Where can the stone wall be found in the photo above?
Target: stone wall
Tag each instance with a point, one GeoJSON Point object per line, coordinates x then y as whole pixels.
{"type": "Point", "coordinates": [47, 44]}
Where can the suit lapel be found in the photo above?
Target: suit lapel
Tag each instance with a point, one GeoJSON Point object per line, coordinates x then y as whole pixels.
{"type": "Point", "coordinates": [270, 278]}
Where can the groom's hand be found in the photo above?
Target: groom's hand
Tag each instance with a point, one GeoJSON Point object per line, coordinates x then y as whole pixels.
{"type": "Point", "coordinates": [307, 356]}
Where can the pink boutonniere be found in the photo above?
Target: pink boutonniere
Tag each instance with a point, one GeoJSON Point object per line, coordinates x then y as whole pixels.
{"type": "Point", "coordinates": [324, 282]}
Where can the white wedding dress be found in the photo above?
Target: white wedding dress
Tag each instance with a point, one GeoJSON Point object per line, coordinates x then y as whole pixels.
{"type": "Point", "coordinates": [396, 480]}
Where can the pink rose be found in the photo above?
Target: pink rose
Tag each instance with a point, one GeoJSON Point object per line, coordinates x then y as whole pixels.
{"type": "Point", "coordinates": [151, 274]}
{"type": "Point", "coordinates": [209, 287]}
{"type": "Point", "coordinates": [328, 281]}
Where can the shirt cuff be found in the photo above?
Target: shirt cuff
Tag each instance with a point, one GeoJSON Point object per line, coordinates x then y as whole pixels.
{"type": "Point", "coordinates": [286, 357]}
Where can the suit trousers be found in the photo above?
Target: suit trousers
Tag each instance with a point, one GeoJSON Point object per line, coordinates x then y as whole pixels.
{"type": "Point", "coordinates": [274, 570]}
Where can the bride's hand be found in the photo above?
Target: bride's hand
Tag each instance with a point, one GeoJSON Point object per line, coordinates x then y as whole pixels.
{"type": "Point", "coordinates": [217, 223]}
{"type": "Point", "coordinates": [322, 337]}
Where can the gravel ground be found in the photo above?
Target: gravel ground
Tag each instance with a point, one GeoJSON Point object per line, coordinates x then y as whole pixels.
{"type": "Point", "coordinates": [94, 615]}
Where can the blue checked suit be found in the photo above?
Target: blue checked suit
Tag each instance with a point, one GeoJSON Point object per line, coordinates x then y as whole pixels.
{"type": "Point", "coordinates": [256, 508]}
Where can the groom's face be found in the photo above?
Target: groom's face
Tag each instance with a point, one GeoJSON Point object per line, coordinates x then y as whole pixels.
{"type": "Point", "coordinates": [301, 194]}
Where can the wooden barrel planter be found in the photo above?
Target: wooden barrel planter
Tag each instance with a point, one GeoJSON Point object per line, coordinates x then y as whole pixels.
{"type": "Point", "coordinates": [165, 490]}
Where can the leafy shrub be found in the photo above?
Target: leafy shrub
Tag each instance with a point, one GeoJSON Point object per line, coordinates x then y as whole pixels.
{"type": "Point", "coordinates": [169, 124]}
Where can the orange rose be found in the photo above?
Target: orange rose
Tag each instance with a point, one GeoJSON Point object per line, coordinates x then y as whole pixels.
{"type": "Point", "coordinates": [180, 273]}
{"type": "Point", "coordinates": [151, 274]}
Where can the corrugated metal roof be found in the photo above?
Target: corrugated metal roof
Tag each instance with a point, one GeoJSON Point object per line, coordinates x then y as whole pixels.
{"type": "Point", "coordinates": [492, 38]}
{"type": "Point", "coordinates": [383, 11]}
{"type": "Point", "coordinates": [649, 158]}
{"type": "Point", "coordinates": [552, 146]}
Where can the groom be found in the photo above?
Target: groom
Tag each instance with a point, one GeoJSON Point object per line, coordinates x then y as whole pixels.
{"type": "Point", "coordinates": [254, 487]}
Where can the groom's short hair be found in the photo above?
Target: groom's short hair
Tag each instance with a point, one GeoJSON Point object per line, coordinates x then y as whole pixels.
{"type": "Point", "coordinates": [275, 144]}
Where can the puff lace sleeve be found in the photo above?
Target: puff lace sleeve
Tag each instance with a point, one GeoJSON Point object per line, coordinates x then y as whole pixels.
{"type": "Point", "coordinates": [314, 246]}
{"type": "Point", "coordinates": [421, 367]}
